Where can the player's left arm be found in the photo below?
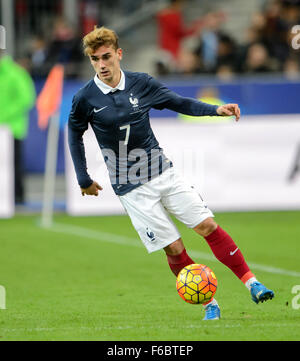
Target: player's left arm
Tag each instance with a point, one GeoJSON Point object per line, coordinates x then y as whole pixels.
{"type": "Point", "coordinates": [228, 110]}
{"type": "Point", "coordinates": [162, 97]}
{"type": "Point", "coordinates": [191, 106]}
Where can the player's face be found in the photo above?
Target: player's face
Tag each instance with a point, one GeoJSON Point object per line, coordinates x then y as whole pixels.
{"type": "Point", "coordinates": [106, 62]}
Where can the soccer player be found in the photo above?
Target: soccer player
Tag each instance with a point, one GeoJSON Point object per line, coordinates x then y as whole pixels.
{"type": "Point", "coordinates": [116, 104]}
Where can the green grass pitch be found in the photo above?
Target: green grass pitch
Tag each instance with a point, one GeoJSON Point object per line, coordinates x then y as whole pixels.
{"type": "Point", "coordinates": [89, 278]}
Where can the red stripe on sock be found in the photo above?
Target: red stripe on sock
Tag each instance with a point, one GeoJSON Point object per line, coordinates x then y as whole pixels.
{"type": "Point", "coordinates": [247, 276]}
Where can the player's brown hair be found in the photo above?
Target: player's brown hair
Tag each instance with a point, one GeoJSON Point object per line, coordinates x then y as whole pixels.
{"type": "Point", "coordinates": [98, 37]}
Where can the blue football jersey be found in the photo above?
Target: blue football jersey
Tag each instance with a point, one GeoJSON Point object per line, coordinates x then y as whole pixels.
{"type": "Point", "coordinates": [120, 121]}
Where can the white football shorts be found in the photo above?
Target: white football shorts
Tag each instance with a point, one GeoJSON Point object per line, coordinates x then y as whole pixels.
{"type": "Point", "coordinates": [150, 204]}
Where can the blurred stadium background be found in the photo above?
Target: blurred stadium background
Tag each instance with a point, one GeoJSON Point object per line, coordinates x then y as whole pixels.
{"type": "Point", "coordinates": [228, 51]}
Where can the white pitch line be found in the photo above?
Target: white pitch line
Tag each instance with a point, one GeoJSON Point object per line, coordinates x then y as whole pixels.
{"type": "Point", "coordinates": [130, 241]}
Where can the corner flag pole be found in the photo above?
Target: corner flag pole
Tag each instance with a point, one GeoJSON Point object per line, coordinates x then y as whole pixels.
{"type": "Point", "coordinates": [48, 106]}
{"type": "Point", "coordinates": [50, 171]}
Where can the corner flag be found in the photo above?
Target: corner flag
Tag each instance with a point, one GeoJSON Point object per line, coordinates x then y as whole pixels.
{"type": "Point", "coordinates": [49, 99]}
{"type": "Point", "coordinates": [48, 107]}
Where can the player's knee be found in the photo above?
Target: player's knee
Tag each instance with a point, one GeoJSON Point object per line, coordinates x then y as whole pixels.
{"type": "Point", "coordinates": [206, 227]}
{"type": "Point", "coordinates": [174, 248]}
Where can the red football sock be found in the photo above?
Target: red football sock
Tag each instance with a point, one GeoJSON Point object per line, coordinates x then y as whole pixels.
{"type": "Point", "coordinates": [227, 252]}
{"type": "Point", "coordinates": [177, 263]}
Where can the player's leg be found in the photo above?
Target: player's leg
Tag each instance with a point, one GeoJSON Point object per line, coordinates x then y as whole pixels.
{"type": "Point", "coordinates": [184, 202]}
{"type": "Point", "coordinates": [187, 205]}
{"type": "Point", "coordinates": [223, 247]}
{"type": "Point", "coordinates": [156, 229]}
{"type": "Point", "coordinates": [177, 256]}
{"type": "Point", "coordinates": [227, 252]}
{"type": "Point", "coordinates": [178, 259]}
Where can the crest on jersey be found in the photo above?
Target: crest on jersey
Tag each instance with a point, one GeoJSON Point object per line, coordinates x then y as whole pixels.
{"type": "Point", "coordinates": [134, 101]}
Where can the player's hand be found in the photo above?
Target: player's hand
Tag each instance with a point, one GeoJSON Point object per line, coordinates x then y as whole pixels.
{"type": "Point", "coordinates": [229, 110]}
{"type": "Point", "coordinates": [92, 190]}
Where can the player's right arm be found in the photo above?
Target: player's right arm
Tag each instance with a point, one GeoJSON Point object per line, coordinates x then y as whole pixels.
{"type": "Point", "coordinates": [77, 125]}
{"type": "Point", "coordinates": [92, 190]}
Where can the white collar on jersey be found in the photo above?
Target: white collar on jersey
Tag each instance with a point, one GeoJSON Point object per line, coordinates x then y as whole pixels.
{"type": "Point", "coordinates": [106, 88]}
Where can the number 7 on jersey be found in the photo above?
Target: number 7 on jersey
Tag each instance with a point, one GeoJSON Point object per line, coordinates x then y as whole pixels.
{"type": "Point", "coordinates": [127, 127]}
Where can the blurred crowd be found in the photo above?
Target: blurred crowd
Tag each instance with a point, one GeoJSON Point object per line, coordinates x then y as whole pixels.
{"type": "Point", "coordinates": [266, 47]}
{"type": "Point", "coordinates": [202, 47]}
{"type": "Point", "coordinates": [52, 39]}
{"type": "Point", "coordinates": [64, 47]}
{"type": "Point", "coordinates": [56, 39]}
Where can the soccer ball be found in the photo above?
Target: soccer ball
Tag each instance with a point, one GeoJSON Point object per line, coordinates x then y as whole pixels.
{"type": "Point", "coordinates": [196, 283]}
